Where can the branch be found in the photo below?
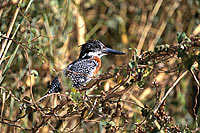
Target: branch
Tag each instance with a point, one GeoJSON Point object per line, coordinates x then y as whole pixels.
{"type": "Point", "coordinates": [9, 124]}
{"type": "Point", "coordinates": [168, 92]}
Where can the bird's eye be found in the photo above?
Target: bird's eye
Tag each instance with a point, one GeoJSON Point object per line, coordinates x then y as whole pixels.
{"type": "Point", "coordinates": [98, 46]}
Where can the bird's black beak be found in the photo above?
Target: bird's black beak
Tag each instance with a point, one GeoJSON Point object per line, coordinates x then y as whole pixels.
{"type": "Point", "coordinates": [112, 51]}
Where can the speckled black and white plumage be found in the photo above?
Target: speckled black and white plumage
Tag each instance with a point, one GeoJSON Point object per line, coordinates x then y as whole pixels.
{"type": "Point", "coordinates": [55, 86]}
{"type": "Point", "coordinates": [81, 71]}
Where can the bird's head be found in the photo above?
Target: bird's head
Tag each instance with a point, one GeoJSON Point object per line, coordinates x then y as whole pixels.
{"type": "Point", "coordinates": [96, 48]}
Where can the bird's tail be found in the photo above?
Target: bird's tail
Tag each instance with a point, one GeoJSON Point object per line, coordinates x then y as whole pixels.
{"type": "Point", "coordinates": [55, 87]}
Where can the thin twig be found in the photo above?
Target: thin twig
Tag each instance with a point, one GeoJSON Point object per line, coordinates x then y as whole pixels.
{"type": "Point", "coordinates": [168, 92]}
{"type": "Point", "coordinates": [85, 117]}
{"type": "Point", "coordinates": [131, 102]}
{"type": "Point", "coordinates": [9, 124]}
{"type": "Point", "coordinates": [31, 87]}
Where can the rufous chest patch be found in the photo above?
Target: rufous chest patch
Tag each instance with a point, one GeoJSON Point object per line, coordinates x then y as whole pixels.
{"type": "Point", "coordinates": [97, 59]}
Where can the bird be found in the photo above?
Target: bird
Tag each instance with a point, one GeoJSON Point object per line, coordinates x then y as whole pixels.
{"type": "Point", "coordinates": [85, 67]}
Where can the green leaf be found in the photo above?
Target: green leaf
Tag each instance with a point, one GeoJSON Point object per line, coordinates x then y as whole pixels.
{"type": "Point", "coordinates": [103, 123]}
{"type": "Point", "coordinates": [76, 96]}
{"type": "Point", "coordinates": [35, 73]}
{"type": "Point", "coordinates": [112, 123]}
{"type": "Point", "coordinates": [131, 64]}
{"type": "Point", "coordinates": [182, 36]}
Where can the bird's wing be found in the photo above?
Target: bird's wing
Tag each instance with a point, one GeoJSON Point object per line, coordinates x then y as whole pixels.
{"type": "Point", "coordinates": [82, 71]}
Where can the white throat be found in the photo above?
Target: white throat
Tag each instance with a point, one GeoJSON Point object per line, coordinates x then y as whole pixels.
{"type": "Point", "coordinates": [93, 54]}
